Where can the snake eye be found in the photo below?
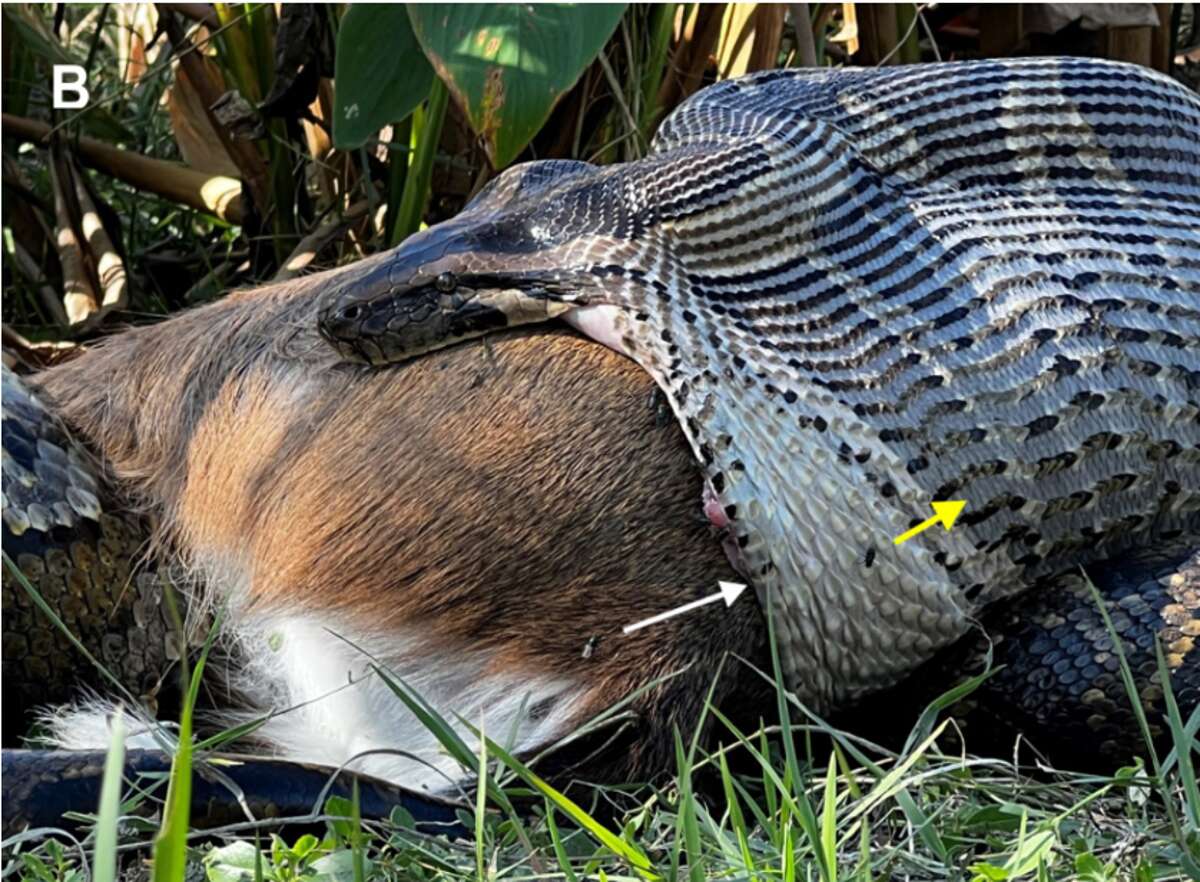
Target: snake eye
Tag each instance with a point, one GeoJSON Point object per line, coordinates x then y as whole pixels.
{"type": "Point", "coordinates": [446, 282]}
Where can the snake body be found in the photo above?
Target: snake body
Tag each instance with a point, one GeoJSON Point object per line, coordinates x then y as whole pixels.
{"type": "Point", "coordinates": [83, 553]}
{"type": "Point", "coordinates": [42, 787]}
{"type": "Point", "coordinates": [863, 290]}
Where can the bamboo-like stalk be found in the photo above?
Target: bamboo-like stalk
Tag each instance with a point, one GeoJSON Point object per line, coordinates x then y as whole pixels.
{"type": "Point", "coordinates": [239, 51]}
{"type": "Point", "coordinates": [215, 194]}
{"type": "Point", "coordinates": [110, 269]}
{"type": "Point", "coordinates": [737, 33]}
{"type": "Point", "coordinates": [906, 28]}
{"type": "Point", "coordinates": [768, 32]}
{"type": "Point", "coordinates": [79, 297]}
{"type": "Point", "coordinates": [691, 56]}
{"type": "Point", "coordinates": [806, 47]}
{"type": "Point", "coordinates": [878, 34]}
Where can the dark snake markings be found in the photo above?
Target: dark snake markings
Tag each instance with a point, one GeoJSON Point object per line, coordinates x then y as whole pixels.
{"type": "Point", "coordinates": [862, 290]}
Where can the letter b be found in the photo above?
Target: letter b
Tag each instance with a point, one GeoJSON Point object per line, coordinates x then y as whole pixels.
{"type": "Point", "coordinates": [69, 80]}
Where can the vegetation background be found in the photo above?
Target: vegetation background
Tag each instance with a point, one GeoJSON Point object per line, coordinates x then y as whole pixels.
{"type": "Point", "coordinates": [228, 145]}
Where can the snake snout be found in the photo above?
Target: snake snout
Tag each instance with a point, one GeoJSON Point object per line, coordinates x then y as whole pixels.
{"type": "Point", "coordinates": [395, 326]}
{"type": "Point", "coordinates": [344, 321]}
{"type": "Point", "coordinates": [342, 325]}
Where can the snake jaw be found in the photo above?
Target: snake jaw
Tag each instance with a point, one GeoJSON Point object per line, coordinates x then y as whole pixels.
{"type": "Point", "coordinates": [398, 325]}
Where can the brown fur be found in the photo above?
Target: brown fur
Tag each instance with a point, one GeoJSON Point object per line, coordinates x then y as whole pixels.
{"type": "Point", "coordinates": [517, 495]}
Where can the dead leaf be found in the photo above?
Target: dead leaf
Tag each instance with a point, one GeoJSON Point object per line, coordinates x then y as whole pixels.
{"type": "Point", "coordinates": [198, 142]}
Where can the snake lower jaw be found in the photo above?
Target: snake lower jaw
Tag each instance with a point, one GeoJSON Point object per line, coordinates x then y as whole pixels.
{"type": "Point", "coordinates": [353, 351]}
{"type": "Point", "coordinates": [349, 353]}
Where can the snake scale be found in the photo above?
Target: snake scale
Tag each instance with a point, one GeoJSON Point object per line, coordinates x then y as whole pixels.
{"type": "Point", "coordinates": [84, 554]}
{"type": "Point", "coordinates": [863, 290]}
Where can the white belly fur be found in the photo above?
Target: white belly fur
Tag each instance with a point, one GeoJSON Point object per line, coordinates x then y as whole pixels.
{"type": "Point", "coordinates": [314, 678]}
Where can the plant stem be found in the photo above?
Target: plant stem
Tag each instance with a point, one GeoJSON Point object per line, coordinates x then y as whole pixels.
{"type": "Point", "coordinates": [398, 160]}
{"type": "Point", "coordinates": [662, 24]}
{"type": "Point", "coordinates": [910, 45]}
{"type": "Point", "coordinates": [427, 123]}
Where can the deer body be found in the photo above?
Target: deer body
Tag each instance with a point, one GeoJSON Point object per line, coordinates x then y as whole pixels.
{"type": "Point", "coordinates": [429, 518]}
{"type": "Point", "coordinates": [482, 522]}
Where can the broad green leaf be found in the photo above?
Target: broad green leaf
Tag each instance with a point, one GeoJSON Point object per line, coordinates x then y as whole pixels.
{"type": "Point", "coordinates": [1090, 869]}
{"type": "Point", "coordinates": [304, 845]}
{"type": "Point", "coordinates": [988, 872]}
{"type": "Point", "coordinates": [506, 64]}
{"type": "Point", "coordinates": [380, 74]}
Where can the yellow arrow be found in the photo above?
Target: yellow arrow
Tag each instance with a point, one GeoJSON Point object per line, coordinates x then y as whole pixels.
{"type": "Point", "coordinates": [946, 513]}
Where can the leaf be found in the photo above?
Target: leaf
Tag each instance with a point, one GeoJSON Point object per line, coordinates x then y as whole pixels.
{"type": "Point", "coordinates": [1090, 869]}
{"type": "Point", "coordinates": [231, 863]}
{"type": "Point", "coordinates": [380, 74]}
{"type": "Point", "coordinates": [199, 144]}
{"type": "Point", "coordinates": [507, 64]}
{"type": "Point", "coordinates": [335, 867]}
{"type": "Point", "coordinates": [989, 872]}
{"type": "Point", "coordinates": [304, 845]}
{"type": "Point", "coordinates": [340, 810]}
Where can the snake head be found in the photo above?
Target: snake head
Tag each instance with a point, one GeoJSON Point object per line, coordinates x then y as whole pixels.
{"type": "Point", "coordinates": [512, 257]}
{"type": "Point", "coordinates": [397, 324]}
{"type": "Point", "coordinates": [441, 287]}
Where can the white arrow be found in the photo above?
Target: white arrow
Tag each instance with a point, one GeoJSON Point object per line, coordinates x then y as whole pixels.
{"type": "Point", "coordinates": [730, 591]}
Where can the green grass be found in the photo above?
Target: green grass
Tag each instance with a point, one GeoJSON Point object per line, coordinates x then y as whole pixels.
{"type": "Point", "coordinates": [918, 814]}
{"type": "Point", "coordinates": [802, 801]}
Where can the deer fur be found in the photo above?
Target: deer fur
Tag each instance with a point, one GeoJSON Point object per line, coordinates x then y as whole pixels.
{"type": "Point", "coordinates": [482, 521]}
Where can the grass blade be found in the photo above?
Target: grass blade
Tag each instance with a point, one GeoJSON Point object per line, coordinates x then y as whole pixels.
{"type": "Point", "coordinates": [104, 860]}
{"type": "Point", "coordinates": [1183, 737]}
{"type": "Point", "coordinates": [829, 818]}
{"type": "Point", "coordinates": [736, 820]}
{"type": "Point", "coordinates": [357, 849]}
{"type": "Point", "coordinates": [170, 846]}
{"type": "Point", "coordinates": [480, 805]}
{"type": "Point", "coordinates": [633, 855]}
{"type": "Point", "coordinates": [686, 820]}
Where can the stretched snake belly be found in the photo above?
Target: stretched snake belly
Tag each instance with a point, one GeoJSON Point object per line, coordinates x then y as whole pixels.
{"type": "Point", "coordinates": [976, 282]}
{"type": "Point", "coordinates": [865, 290]}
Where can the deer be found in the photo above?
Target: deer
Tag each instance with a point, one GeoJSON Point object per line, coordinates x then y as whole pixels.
{"type": "Point", "coordinates": [428, 520]}
{"type": "Point", "coordinates": [481, 524]}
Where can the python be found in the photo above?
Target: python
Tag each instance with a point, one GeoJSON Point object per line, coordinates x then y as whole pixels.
{"type": "Point", "coordinates": [484, 520]}
{"type": "Point", "coordinates": [474, 521]}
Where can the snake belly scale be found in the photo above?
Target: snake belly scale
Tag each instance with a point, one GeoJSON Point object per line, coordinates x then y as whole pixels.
{"type": "Point", "coordinates": [863, 290]}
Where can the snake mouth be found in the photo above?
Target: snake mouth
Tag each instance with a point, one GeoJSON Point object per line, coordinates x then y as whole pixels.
{"type": "Point", "coordinates": [399, 325]}
{"type": "Point", "coordinates": [395, 328]}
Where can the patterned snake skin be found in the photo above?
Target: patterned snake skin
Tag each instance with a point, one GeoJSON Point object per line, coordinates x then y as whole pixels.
{"type": "Point", "coordinates": [1056, 675]}
{"type": "Point", "coordinates": [41, 786]}
{"type": "Point", "coordinates": [80, 551]}
{"type": "Point", "coordinates": [863, 290]}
